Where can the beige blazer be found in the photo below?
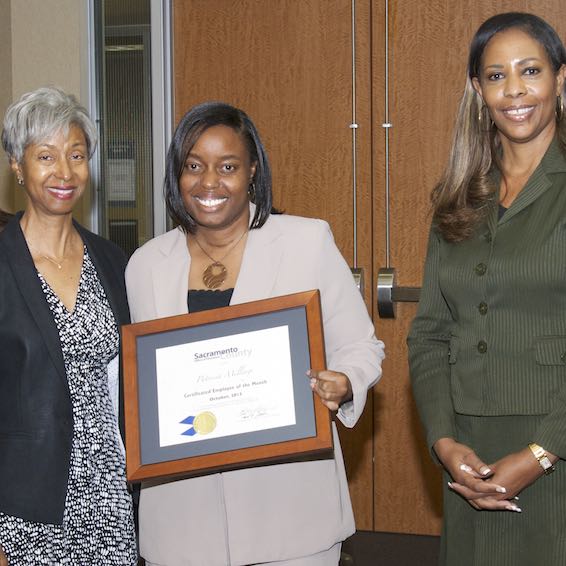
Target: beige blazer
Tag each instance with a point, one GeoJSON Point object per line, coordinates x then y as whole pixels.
{"type": "Point", "coordinates": [275, 512]}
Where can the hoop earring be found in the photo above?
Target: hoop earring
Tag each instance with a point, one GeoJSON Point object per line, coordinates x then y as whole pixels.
{"type": "Point", "coordinates": [559, 107]}
{"type": "Point", "coordinates": [251, 191]}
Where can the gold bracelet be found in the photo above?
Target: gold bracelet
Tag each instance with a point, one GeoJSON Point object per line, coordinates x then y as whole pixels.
{"type": "Point", "coordinates": [540, 454]}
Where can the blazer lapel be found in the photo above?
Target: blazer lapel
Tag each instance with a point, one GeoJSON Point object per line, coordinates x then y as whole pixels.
{"type": "Point", "coordinates": [25, 274]}
{"type": "Point", "coordinates": [170, 275]}
{"type": "Point", "coordinates": [552, 162]}
{"type": "Point", "coordinates": [536, 186]}
{"type": "Point", "coordinates": [260, 264]}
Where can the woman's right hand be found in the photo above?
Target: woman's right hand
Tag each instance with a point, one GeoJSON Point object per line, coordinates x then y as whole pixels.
{"type": "Point", "coordinates": [471, 476]}
{"type": "Point", "coordinates": [3, 558]}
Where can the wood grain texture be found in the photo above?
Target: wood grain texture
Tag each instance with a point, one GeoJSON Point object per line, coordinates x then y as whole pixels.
{"type": "Point", "coordinates": [288, 65]}
{"type": "Point", "coordinates": [429, 46]}
{"type": "Point", "coordinates": [357, 443]}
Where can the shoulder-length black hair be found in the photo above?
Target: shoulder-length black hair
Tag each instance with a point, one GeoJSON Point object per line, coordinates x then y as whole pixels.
{"type": "Point", "coordinates": [190, 128]}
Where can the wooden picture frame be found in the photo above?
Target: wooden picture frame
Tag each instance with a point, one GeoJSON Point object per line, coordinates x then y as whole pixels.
{"type": "Point", "coordinates": [157, 388]}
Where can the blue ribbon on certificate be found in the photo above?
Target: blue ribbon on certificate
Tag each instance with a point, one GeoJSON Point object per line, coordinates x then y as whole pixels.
{"type": "Point", "coordinates": [190, 431]}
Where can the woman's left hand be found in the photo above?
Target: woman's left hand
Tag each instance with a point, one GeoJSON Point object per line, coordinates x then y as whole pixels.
{"type": "Point", "coordinates": [516, 471]}
{"type": "Point", "coordinates": [333, 387]}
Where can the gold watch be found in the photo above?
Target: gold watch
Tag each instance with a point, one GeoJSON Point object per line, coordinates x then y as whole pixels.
{"type": "Point", "coordinates": [540, 454]}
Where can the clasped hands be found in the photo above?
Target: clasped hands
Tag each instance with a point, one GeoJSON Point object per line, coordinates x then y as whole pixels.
{"type": "Point", "coordinates": [492, 487]}
{"type": "Point", "coordinates": [333, 387]}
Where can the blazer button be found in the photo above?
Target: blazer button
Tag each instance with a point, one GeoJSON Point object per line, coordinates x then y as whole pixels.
{"type": "Point", "coordinates": [482, 307]}
{"type": "Point", "coordinates": [480, 269]}
{"type": "Point", "coordinates": [482, 347]}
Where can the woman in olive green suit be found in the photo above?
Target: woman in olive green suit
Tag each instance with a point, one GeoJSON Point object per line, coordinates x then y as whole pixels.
{"type": "Point", "coordinates": [488, 346]}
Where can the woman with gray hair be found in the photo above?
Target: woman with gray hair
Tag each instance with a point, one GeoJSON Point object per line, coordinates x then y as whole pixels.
{"type": "Point", "coordinates": [64, 497]}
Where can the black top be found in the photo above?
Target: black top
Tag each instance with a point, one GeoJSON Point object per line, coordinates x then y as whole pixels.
{"type": "Point", "coordinates": [502, 210]}
{"type": "Point", "coordinates": [206, 299]}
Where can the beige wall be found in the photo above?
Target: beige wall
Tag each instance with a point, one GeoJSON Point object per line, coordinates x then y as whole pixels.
{"type": "Point", "coordinates": [6, 192]}
{"type": "Point", "coordinates": [42, 43]}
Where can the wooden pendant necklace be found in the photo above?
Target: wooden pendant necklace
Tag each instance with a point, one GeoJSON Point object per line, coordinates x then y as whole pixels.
{"type": "Point", "coordinates": [215, 274]}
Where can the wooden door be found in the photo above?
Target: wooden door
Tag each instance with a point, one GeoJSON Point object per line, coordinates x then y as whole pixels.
{"type": "Point", "coordinates": [288, 64]}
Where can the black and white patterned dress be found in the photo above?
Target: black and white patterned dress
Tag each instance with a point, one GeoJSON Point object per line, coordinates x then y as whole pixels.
{"type": "Point", "coordinates": [97, 527]}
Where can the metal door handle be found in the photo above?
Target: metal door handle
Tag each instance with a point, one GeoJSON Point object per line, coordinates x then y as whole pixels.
{"type": "Point", "coordinates": [358, 274]}
{"type": "Point", "coordinates": [388, 294]}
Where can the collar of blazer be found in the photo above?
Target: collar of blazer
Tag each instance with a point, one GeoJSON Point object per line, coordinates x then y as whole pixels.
{"type": "Point", "coordinates": [553, 161]}
{"type": "Point", "coordinates": [256, 280]}
{"type": "Point", "coordinates": [14, 247]}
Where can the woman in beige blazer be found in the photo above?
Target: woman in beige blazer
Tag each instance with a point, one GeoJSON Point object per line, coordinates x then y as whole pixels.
{"type": "Point", "coordinates": [228, 250]}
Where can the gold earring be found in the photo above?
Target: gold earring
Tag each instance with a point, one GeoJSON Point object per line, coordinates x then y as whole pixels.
{"type": "Point", "coordinates": [559, 107]}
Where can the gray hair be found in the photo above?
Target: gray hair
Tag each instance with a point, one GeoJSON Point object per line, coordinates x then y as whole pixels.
{"type": "Point", "coordinates": [40, 114]}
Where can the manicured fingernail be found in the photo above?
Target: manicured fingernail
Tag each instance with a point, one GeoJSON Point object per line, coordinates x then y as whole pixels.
{"type": "Point", "coordinates": [500, 489]}
{"type": "Point", "coordinates": [450, 485]}
{"type": "Point", "coordinates": [516, 498]}
{"type": "Point", "coordinates": [465, 468]}
{"type": "Point", "coordinates": [516, 509]}
{"type": "Point", "coordinates": [486, 471]}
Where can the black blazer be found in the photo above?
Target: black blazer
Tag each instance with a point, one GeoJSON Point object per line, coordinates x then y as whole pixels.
{"type": "Point", "coordinates": [36, 421]}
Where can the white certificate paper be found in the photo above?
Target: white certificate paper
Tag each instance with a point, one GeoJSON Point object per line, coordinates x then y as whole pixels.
{"type": "Point", "coordinates": [225, 386]}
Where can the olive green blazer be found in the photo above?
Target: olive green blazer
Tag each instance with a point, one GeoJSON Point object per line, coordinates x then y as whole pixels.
{"type": "Point", "coordinates": [489, 337]}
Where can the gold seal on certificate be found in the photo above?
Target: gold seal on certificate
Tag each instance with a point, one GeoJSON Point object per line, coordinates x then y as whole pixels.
{"type": "Point", "coordinates": [205, 423]}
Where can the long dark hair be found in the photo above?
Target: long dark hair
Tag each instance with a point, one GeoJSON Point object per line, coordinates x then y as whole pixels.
{"type": "Point", "coordinates": [461, 198]}
{"type": "Point", "coordinates": [190, 128]}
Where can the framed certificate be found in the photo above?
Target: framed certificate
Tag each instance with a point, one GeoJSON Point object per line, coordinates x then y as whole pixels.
{"type": "Point", "coordinates": [224, 388]}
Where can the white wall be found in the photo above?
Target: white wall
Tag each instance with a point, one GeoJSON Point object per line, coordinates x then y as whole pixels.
{"type": "Point", "coordinates": [6, 189]}
{"type": "Point", "coordinates": [42, 43]}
